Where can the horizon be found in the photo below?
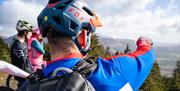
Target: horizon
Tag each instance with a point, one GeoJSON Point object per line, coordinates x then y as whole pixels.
{"type": "Point", "coordinates": [155, 43]}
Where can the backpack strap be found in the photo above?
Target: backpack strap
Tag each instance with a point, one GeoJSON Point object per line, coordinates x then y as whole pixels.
{"type": "Point", "coordinates": [86, 66]}
{"type": "Point", "coordinates": [36, 77]}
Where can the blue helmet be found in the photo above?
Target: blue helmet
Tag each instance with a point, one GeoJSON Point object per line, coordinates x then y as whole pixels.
{"type": "Point", "coordinates": [69, 17]}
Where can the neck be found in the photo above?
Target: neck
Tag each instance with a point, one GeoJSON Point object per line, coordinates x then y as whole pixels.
{"type": "Point", "coordinates": [62, 54]}
{"type": "Point", "coordinates": [33, 36]}
{"type": "Point", "coordinates": [21, 39]}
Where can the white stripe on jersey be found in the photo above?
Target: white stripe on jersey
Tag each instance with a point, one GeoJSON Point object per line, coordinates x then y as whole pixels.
{"type": "Point", "coordinates": [126, 87]}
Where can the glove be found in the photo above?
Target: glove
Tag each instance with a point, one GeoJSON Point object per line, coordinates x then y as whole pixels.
{"type": "Point", "coordinates": [144, 41]}
{"type": "Point", "coordinates": [35, 77]}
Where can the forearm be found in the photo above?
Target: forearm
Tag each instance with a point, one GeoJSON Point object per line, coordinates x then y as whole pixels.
{"type": "Point", "coordinates": [13, 70]}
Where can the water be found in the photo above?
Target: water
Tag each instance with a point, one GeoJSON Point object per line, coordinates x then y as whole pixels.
{"type": "Point", "coordinates": [167, 65]}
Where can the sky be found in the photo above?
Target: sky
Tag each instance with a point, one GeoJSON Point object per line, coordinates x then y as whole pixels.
{"type": "Point", "coordinates": [124, 19]}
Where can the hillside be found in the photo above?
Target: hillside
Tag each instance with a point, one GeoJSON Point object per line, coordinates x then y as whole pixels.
{"type": "Point", "coordinates": [118, 44]}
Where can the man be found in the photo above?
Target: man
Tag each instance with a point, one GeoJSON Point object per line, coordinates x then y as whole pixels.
{"type": "Point", "coordinates": [68, 25]}
{"type": "Point", "coordinates": [19, 49]}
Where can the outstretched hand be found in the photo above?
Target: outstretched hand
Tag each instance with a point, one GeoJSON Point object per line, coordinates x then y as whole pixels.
{"type": "Point", "coordinates": [144, 41]}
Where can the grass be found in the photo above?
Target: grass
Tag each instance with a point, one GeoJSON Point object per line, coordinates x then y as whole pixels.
{"type": "Point", "coordinates": [3, 76]}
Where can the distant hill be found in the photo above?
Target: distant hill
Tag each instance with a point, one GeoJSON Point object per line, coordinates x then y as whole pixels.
{"type": "Point", "coordinates": [167, 50]}
{"type": "Point", "coordinates": [9, 40]}
{"type": "Point", "coordinates": [117, 44]}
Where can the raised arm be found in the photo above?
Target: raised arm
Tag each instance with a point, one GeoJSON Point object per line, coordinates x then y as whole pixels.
{"type": "Point", "coordinates": [136, 66]}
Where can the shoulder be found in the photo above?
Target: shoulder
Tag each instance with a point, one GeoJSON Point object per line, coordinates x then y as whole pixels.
{"type": "Point", "coordinates": [34, 40]}
{"type": "Point", "coordinates": [118, 57]}
{"type": "Point", "coordinates": [16, 44]}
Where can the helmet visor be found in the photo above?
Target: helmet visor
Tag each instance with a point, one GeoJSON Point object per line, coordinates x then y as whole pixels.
{"type": "Point", "coordinates": [95, 21]}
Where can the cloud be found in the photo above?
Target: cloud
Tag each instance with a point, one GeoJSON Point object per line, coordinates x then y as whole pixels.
{"type": "Point", "coordinates": [124, 7]}
{"type": "Point", "coordinates": [14, 10]}
{"type": "Point", "coordinates": [121, 18]}
{"type": "Point", "coordinates": [131, 19]}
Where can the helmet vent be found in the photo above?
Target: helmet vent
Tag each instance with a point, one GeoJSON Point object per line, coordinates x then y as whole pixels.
{"type": "Point", "coordinates": [21, 25]}
{"type": "Point", "coordinates": [68, 2]}
{"type": "Point", "coordinates": [57, 20]}
{"type": "Point", "coordinates": [31, 26]}
{"type": "Point", "coordinates": [73, 25]}
{"type": "Point", "coordinates": [25, 22]}
{"type": "Point", "coordinates": [62, 6]}
{"type": "Point", "coordinates": [88, 11]}
{"type": "Point", "coordinates": [52, 1]}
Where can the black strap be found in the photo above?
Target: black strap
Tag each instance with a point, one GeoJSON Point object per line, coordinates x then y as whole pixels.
{"type": "Point", "coordinates": [36, 77]}
{"type": "Point", "coordinates": [86, 66]}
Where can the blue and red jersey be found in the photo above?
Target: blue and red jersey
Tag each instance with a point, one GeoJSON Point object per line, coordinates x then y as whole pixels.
{"type": "Point", "coordinates": [117, 73]}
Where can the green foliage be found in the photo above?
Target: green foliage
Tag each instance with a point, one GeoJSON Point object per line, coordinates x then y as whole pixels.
{"type": "Point", "coordinates": [127, 50]}
{"type": "Point", "coordinates": [98, 49]}
{"type": "Point", "coordinates": [4, 51]}
{"type": "Point", "coordinates": [107, 52]}
{"type": "Point", "coordinates": [168, 83]}
{"type": "Point", "coordinates": [46, 56]}
{"type": "Point", "coordinates": [154, 82]}
{"type": "Point", "coordinates": [175, 84]}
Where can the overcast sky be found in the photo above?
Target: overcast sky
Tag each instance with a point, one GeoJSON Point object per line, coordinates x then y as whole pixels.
{"type": "Point", "coordinates": [125, 19]}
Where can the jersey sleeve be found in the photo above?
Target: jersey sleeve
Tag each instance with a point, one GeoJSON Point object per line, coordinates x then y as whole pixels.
{"type": "Point", "coordinates": [135, 66]}
{"type": "Point", "coordinates": [35, 44]}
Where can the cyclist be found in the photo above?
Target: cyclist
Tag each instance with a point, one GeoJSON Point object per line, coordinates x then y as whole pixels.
{"type": "Point", "coordinates": [19, 49]}
{"type": "Point", "coordinates": [36, 50]}
{"type": "Point", "coordinates": [68, 25]}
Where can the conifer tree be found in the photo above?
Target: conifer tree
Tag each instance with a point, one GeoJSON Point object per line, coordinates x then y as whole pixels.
{"type": "Point", "coordinates": [47, 55]}
{"type": "Point", "coordinates": [127, 50]}
{"type": "Point", "coordinates": [107, 52]}
{"type": "Point", "coordinates": [97, 48]}
{"type": "Point", "coordinates": [4, 51]}
{"type": "Point", "coordinates": [175, 85]}
{"type": "Point", "coordinates": [154, 82]}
